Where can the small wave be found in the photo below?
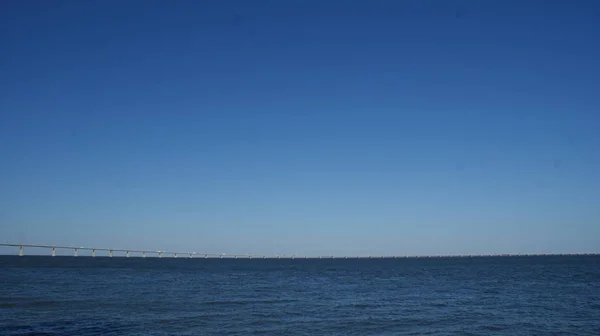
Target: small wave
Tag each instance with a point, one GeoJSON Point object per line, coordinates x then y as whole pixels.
{"type": "Point", "coordinates": [13, 298]}
{"type": "Point", "coordinates": [245, 302]}
{"type": "Point", "coordinates": [493, 327]}
{"type": "Point", "coordinates": [439, 304]}
{"type": "Point", "coordinates": [29, 304]}
{"type": "Point", "coordinates": [25, 330]}
{"type": "Point", "coordinates": [18, 327]}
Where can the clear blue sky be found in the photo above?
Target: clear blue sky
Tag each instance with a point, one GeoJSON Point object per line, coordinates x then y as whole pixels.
{"type": "Point", "coordinates": [307, 127]}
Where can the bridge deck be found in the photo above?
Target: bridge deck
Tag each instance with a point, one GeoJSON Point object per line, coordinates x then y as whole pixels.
{"type": "Point", "coordinates": [76, 249]}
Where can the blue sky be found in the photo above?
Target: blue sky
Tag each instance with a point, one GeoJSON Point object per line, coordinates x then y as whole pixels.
{"type": "Point", "coordinates": [306, 127]}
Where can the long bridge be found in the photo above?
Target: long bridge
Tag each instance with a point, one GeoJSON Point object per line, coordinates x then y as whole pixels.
{"type": "Point", "coordinates": [172, 254]}
{"type": "Point", "coordinates": [128, 252]}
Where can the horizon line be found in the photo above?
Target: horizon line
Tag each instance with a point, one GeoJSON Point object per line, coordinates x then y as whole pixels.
{"type": "Point", "coordinates": [174, 254]}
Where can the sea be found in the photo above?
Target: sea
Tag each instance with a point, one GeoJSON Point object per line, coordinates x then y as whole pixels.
{"type": "Point", "coordinates": [84, 296]}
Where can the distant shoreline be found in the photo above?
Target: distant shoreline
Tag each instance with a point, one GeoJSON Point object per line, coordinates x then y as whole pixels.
{"type": "Point", "coordinates": [509, 255]}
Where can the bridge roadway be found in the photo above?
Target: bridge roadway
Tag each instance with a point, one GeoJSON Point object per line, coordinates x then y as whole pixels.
{"type": "Point", "coordinates": [160, 253]}
{"type": "Point", "coordinates": [128, 252]}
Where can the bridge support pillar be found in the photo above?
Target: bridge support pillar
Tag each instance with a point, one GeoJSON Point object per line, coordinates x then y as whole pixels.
{"type": "Point", "coordinates": [21, 251]}
{"type": "Point", "coordinates": [54, 251]}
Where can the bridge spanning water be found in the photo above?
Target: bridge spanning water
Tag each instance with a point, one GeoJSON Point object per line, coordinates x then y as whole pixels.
{"type": "Point", "coordinates": [115, 252]}
{"type": "Point", "coordinates": [110, 252]}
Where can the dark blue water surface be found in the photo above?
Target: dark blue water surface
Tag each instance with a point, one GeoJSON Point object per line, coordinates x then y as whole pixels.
{"type": "Point", "coordinates": [439, 296]}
